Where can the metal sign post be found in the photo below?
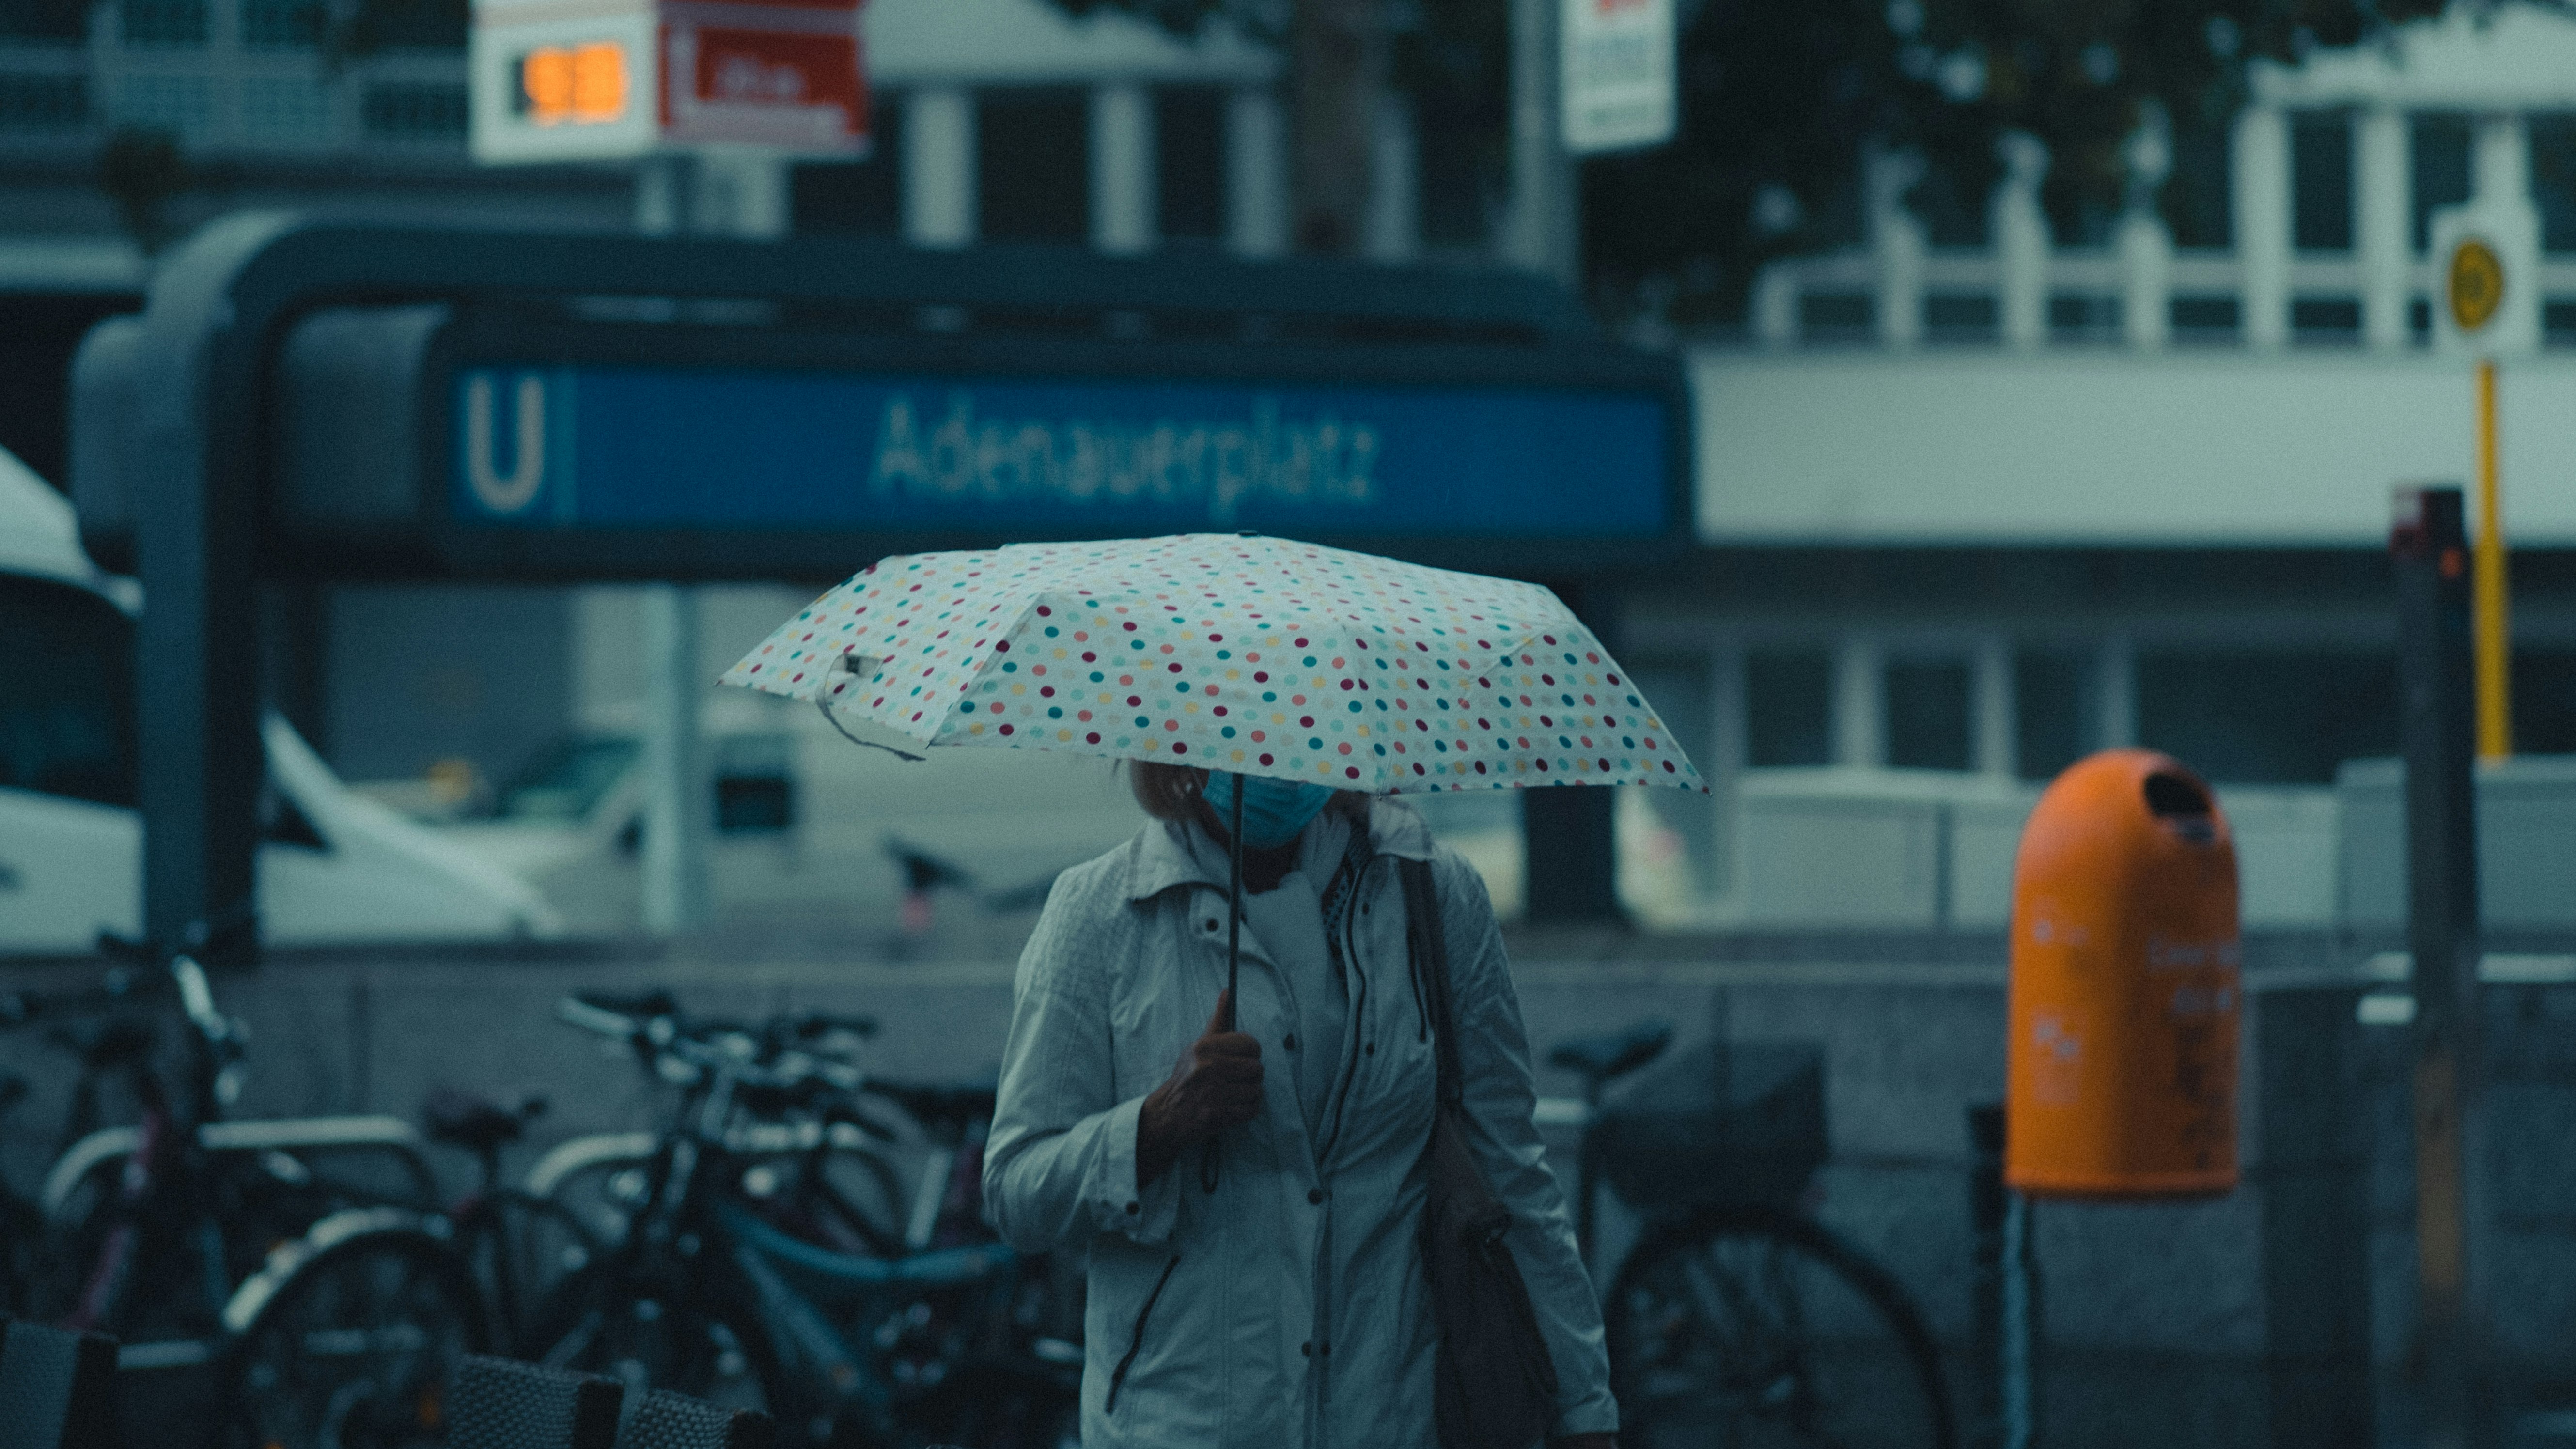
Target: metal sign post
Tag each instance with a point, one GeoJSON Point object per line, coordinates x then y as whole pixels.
{"type": "Point", "coordinates": [2475, 292]}
{"type": "Point", "coordinates": [2430, 551]}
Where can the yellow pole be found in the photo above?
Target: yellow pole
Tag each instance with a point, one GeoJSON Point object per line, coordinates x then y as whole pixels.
{"type": "Point", "coordinates": [2494, 657]}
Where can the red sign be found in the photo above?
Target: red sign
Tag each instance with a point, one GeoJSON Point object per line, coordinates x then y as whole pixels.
{"type": "Point", "coordinates": [772, 74]}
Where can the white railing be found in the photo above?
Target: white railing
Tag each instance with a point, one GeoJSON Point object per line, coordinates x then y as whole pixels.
{"type": "Point", "coordinates": [1782, 294]}
{"type": "Point", "coordinates": [2378, 289]}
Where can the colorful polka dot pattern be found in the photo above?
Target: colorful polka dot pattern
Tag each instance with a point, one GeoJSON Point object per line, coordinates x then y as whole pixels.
{"type": "Point", "coordinates": [1259, 655]}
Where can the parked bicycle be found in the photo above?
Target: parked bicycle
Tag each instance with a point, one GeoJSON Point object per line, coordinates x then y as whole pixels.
{"type": "Point", "coordinates": [747, 1274]}
{"type": "Point", "coordinates": [1737, 1319]}
{"type": "Point", "coordinates": [261, 1297]}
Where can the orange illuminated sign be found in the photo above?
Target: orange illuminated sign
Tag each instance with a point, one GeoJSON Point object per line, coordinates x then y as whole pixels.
{"type": "Point", "coordinates": [581, 84]}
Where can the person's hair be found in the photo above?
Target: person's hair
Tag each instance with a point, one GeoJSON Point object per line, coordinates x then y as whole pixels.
{"type": "Point", "coordinates": [1172, 792]}
{"type": "Point", "coordinates": [1167, 792]}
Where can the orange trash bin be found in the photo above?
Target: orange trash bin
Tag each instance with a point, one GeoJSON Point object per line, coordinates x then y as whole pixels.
{"type": "Point", "coordinates": [2121, 1064]}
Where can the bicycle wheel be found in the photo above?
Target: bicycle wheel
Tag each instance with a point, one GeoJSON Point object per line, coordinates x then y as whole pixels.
{"type": "Point", "coordinates": [354, 1346]}
{"type": "Point", "coordinates": [519, 1248]}
{"type": "Point", "coordinates": [1748, 1328]}
{"type": "Point", "coordinates": [653, 1335]}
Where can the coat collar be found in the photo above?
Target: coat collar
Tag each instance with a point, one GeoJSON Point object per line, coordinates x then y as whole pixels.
{"type": "Point", "coordinates": [1159, 859]}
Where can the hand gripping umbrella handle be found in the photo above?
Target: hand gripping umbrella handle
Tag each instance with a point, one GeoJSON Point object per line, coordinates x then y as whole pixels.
{"type": "Point", "coordinates": [1233, 951]}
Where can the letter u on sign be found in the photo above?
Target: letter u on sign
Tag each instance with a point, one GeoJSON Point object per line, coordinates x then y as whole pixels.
{"type": "Point", "coordinates": [505, 494]}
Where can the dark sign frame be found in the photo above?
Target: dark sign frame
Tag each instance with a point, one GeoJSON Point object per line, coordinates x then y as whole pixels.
{"type": "Point", "coordinates": [177, 437]}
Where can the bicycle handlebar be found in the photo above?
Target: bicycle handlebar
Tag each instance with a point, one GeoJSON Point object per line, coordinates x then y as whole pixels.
{"type": "Point", "coordinates": [687, 1057]}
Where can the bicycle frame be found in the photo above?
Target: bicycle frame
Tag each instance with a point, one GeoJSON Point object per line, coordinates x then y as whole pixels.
{"type": "Point", "coordinates": [699, 1230]}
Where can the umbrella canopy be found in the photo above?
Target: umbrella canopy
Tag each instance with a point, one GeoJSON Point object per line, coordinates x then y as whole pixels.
{"type": "Point", "coordinates": [1260, 656]}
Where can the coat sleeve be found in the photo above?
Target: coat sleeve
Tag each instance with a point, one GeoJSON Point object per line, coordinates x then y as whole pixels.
{"type": "Point", "coordinates": [1060, 1164]}
{"type": "Point", "coordinates": [1502, 1100]}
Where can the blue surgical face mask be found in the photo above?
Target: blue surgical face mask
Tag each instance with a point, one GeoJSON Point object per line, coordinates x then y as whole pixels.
{"type": "Point", "coordinates": [1273, 810]}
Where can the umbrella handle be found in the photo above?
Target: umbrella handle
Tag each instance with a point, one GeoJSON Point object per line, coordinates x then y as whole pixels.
{"type": "Point", "coordinates": [1234, 909]}
{"type": "Point", "coordinates": [1233, 951]}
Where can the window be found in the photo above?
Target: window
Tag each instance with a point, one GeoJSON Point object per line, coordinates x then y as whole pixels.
{"type": "Point", "coordinates": [1189, 164]}
{"type": "Point", "coordinates": [1033, 166]}
{"type": "Point", "coordinates": [67, 697]}
{"type": "Point", "coordinates": [179, 104]}
{"type": "Point", "coordinates": [2205, 318]}
{"type": "Point", "coordinates": [567, 778]}
{"type": "Point", "coordinates": [2321, 182]}
{"type": "Point", "coordinates": [164, 22]}
{"type": "Point", "coordinates": [2196, 197]}
{"type": "Point", "coordinates": [2439, 150]}
{"type": "Point", "coordinates": [37, 103]}
{"type": "Point", "coordinates": [855, 198]}
{"type": "Point", "coordinates": [1788, 707]}
{"type": "Point", "coordinates": [281, 24]}
{"type": "Point", "coordinates": [2544, 701]}
{"type": "Point", "coordinates": [755, 784]}
{"type": "Point", "coordinates": [1837, 316]}
{"type": "Point", "coordinates": [2325, 319]}
{"type": "Point", "coordinates": [2083, 317]}
{"type": "Point", "coordinates": [2553, 180]}
{"type": "Point", "coordinates": [1927, 714]}
{"type": "Point", "coordinates": [1960, 316]}
{"type": "Point", "coordinates": [45, 20]}
{"type": "Point", "coordinates": [1457, 156]}
{"type": "Point", "coordinates": [2053, 718]}
{"type": "Point", "coordinates": [286, 108]}
{"type": "Point", "coordinates": [1953, 210]}
{"type": "Point", "coordinates": [2267, 717]}
{"type": "Point", "coordinates": [414, 112]}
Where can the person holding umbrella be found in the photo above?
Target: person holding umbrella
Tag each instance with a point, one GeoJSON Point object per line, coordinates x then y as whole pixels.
{"type": "Point", "coordinates": [1266, 1055]}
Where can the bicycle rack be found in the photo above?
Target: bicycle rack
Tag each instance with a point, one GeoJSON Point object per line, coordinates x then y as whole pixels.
{"type": "Point", "coordinates": [278, 1134]}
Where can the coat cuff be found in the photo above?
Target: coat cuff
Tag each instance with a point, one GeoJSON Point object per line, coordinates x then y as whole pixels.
{"type": "Point", "coordinates": [1596, 1415]}
{"type": "Point", "coordinates": [1117, 1206]}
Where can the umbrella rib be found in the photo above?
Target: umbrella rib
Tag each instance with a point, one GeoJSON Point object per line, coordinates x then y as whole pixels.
{"type": "Point", "coordinates": [834, 721]}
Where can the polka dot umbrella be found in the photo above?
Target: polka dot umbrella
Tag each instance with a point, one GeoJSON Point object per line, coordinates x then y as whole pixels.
{"type": "Point", "coordinates": [1261, 656]}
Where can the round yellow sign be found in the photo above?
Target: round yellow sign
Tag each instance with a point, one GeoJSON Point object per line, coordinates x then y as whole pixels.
{"type": "Point", "coordinates": [2477, 283]}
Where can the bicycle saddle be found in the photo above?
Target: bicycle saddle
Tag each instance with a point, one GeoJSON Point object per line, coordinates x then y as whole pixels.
{"type": "Point", "coordinates": [461, 1119]}
{"type": "Point", "coordinates": [1614, 1053]}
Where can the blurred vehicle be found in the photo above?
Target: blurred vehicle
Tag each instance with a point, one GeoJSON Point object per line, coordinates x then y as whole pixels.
{"type": "Point", "coordinates": [334, 867]}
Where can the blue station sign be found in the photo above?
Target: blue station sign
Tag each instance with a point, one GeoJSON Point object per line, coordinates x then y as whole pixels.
{"type": "Point", "coordinates": [735, 449]}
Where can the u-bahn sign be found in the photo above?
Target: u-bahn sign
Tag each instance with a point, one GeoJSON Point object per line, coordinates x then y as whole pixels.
{"type": "Point", "coordinates": [550, 448]}
{"type": "Point", "coordinates": [346, 402]}
{"type": "Point", "coordinates": [468, 405]}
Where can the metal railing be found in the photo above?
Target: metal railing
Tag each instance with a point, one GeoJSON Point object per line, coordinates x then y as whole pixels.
{"type": "Point", "coordinates": [1842, 297]}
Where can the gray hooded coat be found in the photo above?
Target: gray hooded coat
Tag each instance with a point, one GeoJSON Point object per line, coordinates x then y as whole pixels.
{"type": "Point", "coordinates": [1286, 1308]}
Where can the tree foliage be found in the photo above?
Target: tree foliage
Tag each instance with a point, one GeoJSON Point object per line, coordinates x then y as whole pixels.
{"type": "Point", "coordinates": [1781, 101]}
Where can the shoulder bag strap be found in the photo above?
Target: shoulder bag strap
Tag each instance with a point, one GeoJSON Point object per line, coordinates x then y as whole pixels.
{"type": "Point", "coordinates": [1431, 965]}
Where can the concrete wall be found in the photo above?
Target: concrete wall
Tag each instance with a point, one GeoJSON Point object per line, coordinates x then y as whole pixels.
{"type": "Point", "coordinates": [2252, 1319]}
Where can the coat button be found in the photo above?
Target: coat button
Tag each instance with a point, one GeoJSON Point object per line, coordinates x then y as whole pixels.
{"type": "Point", "coordinates": [1370, 1049]}
{"type": "Point", "coordinates": [1307, 1349]}
{"type": "Point", "coordinates": [1291, 1042]}
{"type": "Point", "coordinates": [1208, 925]}
{"type": "Point", "coordinates": [1314, 1195]}
{"type": "Point", "coordinates": [1134, 1208]}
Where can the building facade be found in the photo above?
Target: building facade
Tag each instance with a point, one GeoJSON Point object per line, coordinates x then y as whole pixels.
{"type": "Point", "coordinates": [1963, 513]}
